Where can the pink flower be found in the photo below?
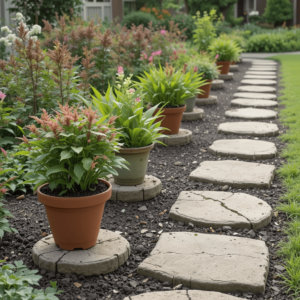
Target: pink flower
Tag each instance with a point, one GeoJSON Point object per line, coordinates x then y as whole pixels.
{"type": "Point", "coordinates": [184, 51]}
{"type": "Point", "coordinates": [163, 31]}
{"type": "Point", "coordinates": [158, 52]}
{"type": "Point", "coordinates": [217, 56]}
{"type": "Point", "coordinates": [174, 52]}
{"type": "Point", "coordinates": [120, 70]}
{"type": "Point", "coordinates": [3, 190]}
{"type": "Point", "coordinates": [138, 99]}
{"type": "Point", "coordinates": [131, 91]}
{"type": "Point", "coordinates": [150, 59]}
{"type": "Point", "coordinates": [4, 152]}
{"type": "Point", "coordinates": [196, 69]}
{"type": "Point", "coordinates": [105, 157]}
{"type": "Point", "coordinates": [144, 56]}
{"type": "Point", "coordinates": [2, 96]}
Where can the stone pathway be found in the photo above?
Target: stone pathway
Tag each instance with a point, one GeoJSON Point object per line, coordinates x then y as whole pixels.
{"type": "Point", "coordinates": [225, 77]}
{"type": "Point", "coordinates": [254, 103]}
{"type": "Point", "coordinates": [217, 84]}
{"type": "Point", "coordinates": [196, 114]}
{"type": "Point", "coordinates": [261, 62]}
{"type": "Point", "coordinates": [256, 89]}
{"type": "Point", "coordinates": [261, 73]}
{"type": "Point", "coordinates": [263, 68]}
{"type": "Point", "coordinates": [251, 113]}
{"type": "Point", "coordinates": [258, 82]}
{"type": "Point", "coordinates": [184, 137]}
{"type": "Point", "coordinates": [265, 77]}
{"type": "Point", "coordinates": [207, 101]}
{"type": "Point", "coordinates": [254, 96]}
{"type": "Point", "coordinates": [244, 148]}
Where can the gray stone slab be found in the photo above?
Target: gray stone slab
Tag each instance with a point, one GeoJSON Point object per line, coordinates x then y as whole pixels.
{"type": "Point", "coordinates": [184, 137]}
{"type": "Point", "coordinates": [209, 262]}
{"type": "Point", "coordinates": [218, 209]}
{"type": "Point", "coordinates": [197, 114]}
{"type": "Point", "coordinates": [225, 77]}
{"type": "Point", "coordinates": [261, 62]}
{"type": "Point", "coordinates": [261, 73]}
{"type": "Point", "coordinates": [251, 113]}
{"type": "Point", "coordinates": [258, 96]}
{"type": "Point", "coordinates": [265, 77]}
{"type": "Point", "coordinates": [254, 103]}
{"type": "Point", "coordinates": [110, 252]}
{"type": "Point", "coordinates": [150, 188]}
{"type": "Point", "coordinates": [233, 68]}
{"type": "Point", "coordinates": [207, 101]}
{"type": "Point", "coordinates": [249, 128]}
{"type": "Point", "coordinates": [256, 89]}
{"type": "Point", "coordinates": [258, 82]}
{"type": "Point", "coordinates": [217, 84]}
{"type": "Point", "coordinates": [244, 148]}
{"type": "Point", "coordinates": [264, 69]}
{"type": "Point", "coordinates": [234, 173]}
{"type": "Point", "coordinates": [183, 295]}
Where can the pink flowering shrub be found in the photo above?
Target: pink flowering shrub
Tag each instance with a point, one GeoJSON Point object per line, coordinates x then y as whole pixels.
{"type": "Point", "coordinates": [72, 149]}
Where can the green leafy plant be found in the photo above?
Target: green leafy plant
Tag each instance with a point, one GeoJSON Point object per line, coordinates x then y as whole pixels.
{"type": "Point", "coordinates": [225, 50]}
{"type": "Point", "coordinates": [204, 66]}
{"type": "Point", "coordinates": [278, 11]}
{"type": "Point", "coordinates": [72, 149]}
{"type": "Point", "coordinates": [139, 18]}
{"type": "Point", "coordinates": [16, 281]}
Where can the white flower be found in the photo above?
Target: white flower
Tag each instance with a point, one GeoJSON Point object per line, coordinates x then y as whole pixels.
{"type": "Point", "coordinates": [36, 29]}
{"type": "Point", "coordinates": [5, 29]}
{"type": "Point", "coordinates": [7, 43]}
{"type": "Point", "coordinates": [3, 39]}
{"type": "Point", "coordinates": [254, 13]}
{"type": "Point", "coordinates": [34, 38]}
{"type": "Point", "coordinates": [19, 16]}
{"type": "Point", "coordinates": [11, 37]}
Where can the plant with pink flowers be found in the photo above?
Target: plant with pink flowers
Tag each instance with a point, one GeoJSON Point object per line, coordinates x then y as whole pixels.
{"type": "Point", "coordinates": [72, 149]}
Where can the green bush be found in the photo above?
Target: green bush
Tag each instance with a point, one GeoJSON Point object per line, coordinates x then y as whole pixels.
{"type": "Point", "coordinates": [139, 18]}
{"type": "Point", "coordinates": [278, 11]}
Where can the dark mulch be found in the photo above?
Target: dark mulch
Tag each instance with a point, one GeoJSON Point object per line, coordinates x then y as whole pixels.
{"type": "Point", "coordinates": [31, 219]}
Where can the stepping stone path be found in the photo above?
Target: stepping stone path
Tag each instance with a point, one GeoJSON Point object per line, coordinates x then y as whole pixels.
{"type": "Point", "coordinates": [207, 101]}
{"type": "Point", "coordinates": [234, 173]}
{"type": "Point", "coordinates": [197, 114]}
{"type": "Point", "coordinates": [258, 82]}
{"type": "Point", "coordinates": [183, 295]}
{"type": "Point", "coordinates": [257, 96]}
{"type": "Point", "coordinates": [228, 76]}
{"type": "Point", "coordinates": [249, 128]}
{"type": "Point", "coordinates": [110, 252]}
{"type": "Point", "coordinates": [243, 148]}
{"type": "Point", "coordinates": [217, 84]}
{"type": "Point", "coordinates": [265, 77]}
{"type": "Point", "coordinates": [254, 103]}
{"type": "Point", "coordinates": [261, 73]}
{"type": "Point", "coordinates": [256, 89]}
{"type": "Point", "coordinates": [209, 262]}
{"type": "Point", "coordinates": [182, 138]}
{"type": "Point", "coordinates": [251, 113]}
{"type": "Point", "coordinates": [264, 62]}
{"type": "Point", "coordinates": [150, 188]}
{"type": "Point", "coordinates": [263, 68]}
{"type": "Point", "coordinates": [218, 209]}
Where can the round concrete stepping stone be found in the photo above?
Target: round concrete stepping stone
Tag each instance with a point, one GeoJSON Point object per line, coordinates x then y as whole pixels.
{"type": "Point", "coordinates": [217, 84]}
{"type": "Point", "coordinates": [207, 101]}
{"type": "Point", "coordinates": [218, 209]}
{"type": "Point", "coordinates": [110, 252]}
{"type": "Point", "coordinates": [251, 113]}
{"type": "Point", "coordinates": [197, 114]}
{"type": "Point", "coordinates": [184, 137]}
{"type": "Point", "coordinates": [258, 82]}
{"type": "Point", "coordinates": [150, 188]}
{"type": "Point", "coordinates": [265, 77]}
{"type": "Point", "coordinates": [249, 128]}
{"type": "Point", "coordinates": [264, 62]}
{"type": "Point", "coordinates": [254, 103]}
{"type": "Point", "coordinates": [234, 173]}
{"type": "Point", "coordinates": [243, 148]}
{"type": "Point", "coordinates": [209, 262]}
{"type": "Point", "coordinates": [263, 68]}
{"type": "Point", "coordinates": [234, 68]}
{"type": "Point", "coordinates": [256, 89]}
{"type": "Point", "coordinates": [257, 96]}
{"type": "Point", "coordinates": [228, 76]}
{"type": "Point", "coordinates": [261, 73]}
{"type": "Point", "coordinates": [183, 295]}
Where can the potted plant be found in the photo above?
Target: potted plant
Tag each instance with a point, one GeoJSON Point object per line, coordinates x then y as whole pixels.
{"type": "Point", "coordinates": [73, 151]}
{"type": "Point", "coordinates": [225, 51]}
{"type": "Point", "coordinates": [166, 88]}
{"type": "Point", "coordinates": [139, 130]}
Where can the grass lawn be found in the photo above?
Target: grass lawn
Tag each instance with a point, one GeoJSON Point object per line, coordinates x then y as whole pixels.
{"type": "Point", "coordinates": [290, 172]}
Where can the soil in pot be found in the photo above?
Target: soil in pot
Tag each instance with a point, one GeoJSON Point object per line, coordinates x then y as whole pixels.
{"type": "Point", "coordinates": [75, 221]}
{"type": "Point", "coordinates": [224, 66]}
{"type": "Point", "coordinates": [138, 163]}
{"type": "Point", "coordinates": [205, 89]}
{"type": "Point", "coordinates": [190, 104]}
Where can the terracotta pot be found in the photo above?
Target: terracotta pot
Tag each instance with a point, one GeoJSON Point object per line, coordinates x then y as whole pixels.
{"type": "Point", "coordinates": [75, 222]}
{"type": "Point", "coordinates": [138, 160]}
{"type": "Point", "coordinates": [171, 119]}
{"type": "Point", "coordinates": [224, 66]}
{"type": "Point", "coordinates": [190, 104]}
{"type": "Point", "coordinates": [205, 89]}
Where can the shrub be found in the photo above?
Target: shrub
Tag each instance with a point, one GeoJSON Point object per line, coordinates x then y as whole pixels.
{"type": "Point", "coordinates": [266, 43]}
{"type": "Point", "coordinates": [225, 50]}
{"type": "Point", "coordinates": [206, 68]}
{"type": "Point", "coordinates": [139, 18]}
{"type": "Point", "coordinates": [157, 13]}
{"type": "Point", "coordinates": [278, 11]}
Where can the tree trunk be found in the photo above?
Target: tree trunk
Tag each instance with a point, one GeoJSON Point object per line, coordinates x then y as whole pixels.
{"type": "Point", "coordinates": [186, 4]}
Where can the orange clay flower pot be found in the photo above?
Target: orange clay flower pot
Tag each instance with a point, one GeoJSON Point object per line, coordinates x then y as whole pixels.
{"type": "Point", "coordinates": [75, 222]}
{"type": "Point", "coordinates": [171, 119]}
{"type": "Point", "coordinates": [224, 66]}
{"type": "Point", "coordinates": [205, 89]}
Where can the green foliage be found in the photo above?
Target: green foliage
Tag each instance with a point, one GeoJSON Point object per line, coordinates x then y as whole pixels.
{"type": "Point", "coordinates": [205, 31]}
{"type": "Point", "coordinates": [139, 18]}
{"type": "Point", "coordinates": [72, 150]}
{"type": "Point", "coordinates": [3, 53]}
{"type": "Point", "coordinates": [206, 68]}
{"type": "Point", "coordinates": [16, 281]}
{"type": "Point", "coordinates": [278, 11]}
{"type": "Point", "coordinates": [225, 50]}
{"type": "Point", "coordinates": [221, 6]}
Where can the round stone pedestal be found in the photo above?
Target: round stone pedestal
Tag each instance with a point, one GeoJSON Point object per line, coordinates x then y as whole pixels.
{"type": "Point", "coordinates": [234, 68]}
{"type": "Point", "coordinates": [207, 101]}
{"type": "Point", "coordinates": [150, 188]}
{"type": "Point", "coordinates": [217, 84]}
{"type": "Point", "coordinates": [184, 137]}
{"type": "Point", "coordinates": [110, 252]}
{"type": "Point", "coordinates": [228, 76]}
{"type": "Point", "coordinates": [197, 114]}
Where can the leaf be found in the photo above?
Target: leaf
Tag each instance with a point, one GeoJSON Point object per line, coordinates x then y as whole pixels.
{"type": "Point", "coordinates": [65, 155]}
{"type": "Point", "coordinates": [87, 162]}
{"type": "Point", "coordinates": [56, 169]}
{"type": "Point", "coordinates": [79, 171]}
{"type": "Point", "coordinates": [77, 149]}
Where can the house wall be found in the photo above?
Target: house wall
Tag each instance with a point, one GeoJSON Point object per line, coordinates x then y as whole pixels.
{"type": "Point", "coordinates": [117, 9]}
{"type": "Point", "coordinates": [260, 6]}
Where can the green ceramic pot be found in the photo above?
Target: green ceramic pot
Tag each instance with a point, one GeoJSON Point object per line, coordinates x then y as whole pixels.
{"type": "Point", "coordinates": [190, 104]}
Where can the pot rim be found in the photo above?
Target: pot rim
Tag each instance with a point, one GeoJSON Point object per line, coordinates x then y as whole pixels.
{"type": "Point", "coordinates": [172, 110]}
{"type": "Point", "coordinates": [136, 149]}
{"type": "Point", "coordinates": [223, 61]}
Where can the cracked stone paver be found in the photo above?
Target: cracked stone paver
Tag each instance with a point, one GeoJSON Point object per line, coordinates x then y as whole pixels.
{"type": "Point", "coordinates": [244, 148]}
{"type": "Point", "coordinates": [234, 173]}
{"type": "Point", "coordinates": [264, 77]}
{"type": "Point", "coordinates": [183, 295]}
{"type": "Point", "coordinates": [110, 252]}
{"type": "Point", "coordinates": [260, 73]}
{"type": "Point", "coordinates": [249, 128]}
{"type": "Point", "coordinates": [255, 96]}
{"type": "Point", "coordinates": [254, 103]}
{"type": "Point", "coordinates": [250, 113]}
{"type": "Point", "coordinates": [258, 82]}
{"type": "Point", "coordinates": [209, 262]}
{"type": "Point", "coordinates": [218, 209]}
{"type": "Point", "coordinates": [256, 89]}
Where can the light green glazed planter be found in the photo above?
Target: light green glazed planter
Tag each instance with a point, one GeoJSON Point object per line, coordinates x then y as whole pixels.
{"type": "Point", "coordinates": [190, 104]}
{"type": "Point", "coordinates": [138, 160]}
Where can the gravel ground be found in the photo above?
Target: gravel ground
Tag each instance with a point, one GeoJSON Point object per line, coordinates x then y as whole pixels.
{"type": "Point", "coordinates": [173, 166]}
